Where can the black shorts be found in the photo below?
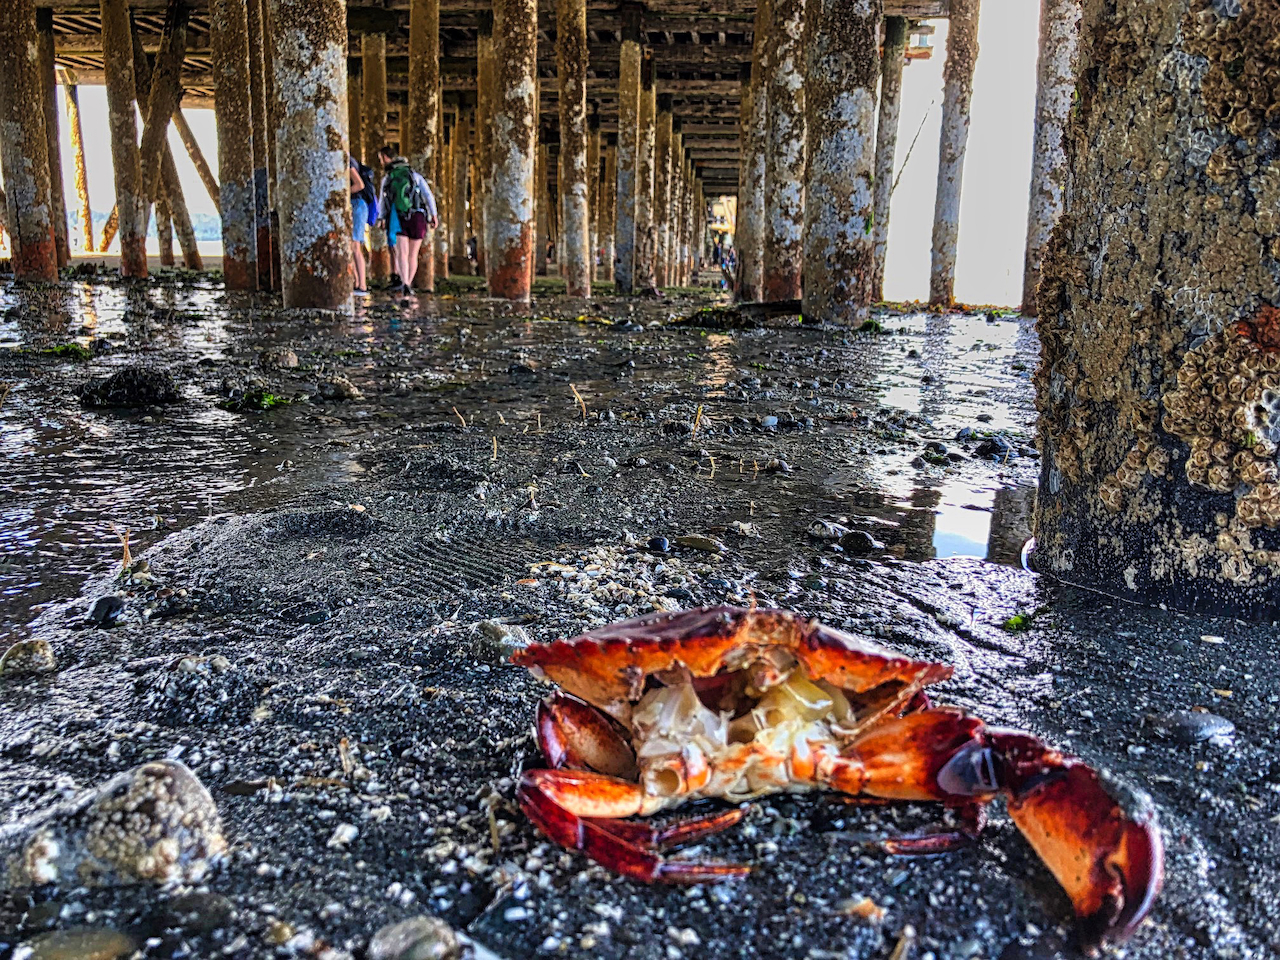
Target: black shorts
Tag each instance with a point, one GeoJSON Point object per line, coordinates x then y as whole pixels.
{"type": "Point", "coordinates": [414, 226]}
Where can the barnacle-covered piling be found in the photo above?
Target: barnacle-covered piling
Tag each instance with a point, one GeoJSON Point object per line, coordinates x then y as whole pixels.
{"type": "Point", "coordinates": [1055, 86]}
{"type": "Point", "coordinates": [117, 59]}
{"type": "Point", "coordinates": [24, 148]}
{"type": "Point", "coordinates": [373, 67]}
{"type": "Point", "coordinates": [418, 137]}
{"type": "Point", "coordinates": [49, 90]}
{"type": "Point", "coordinates": [662, 189]}
{"type": "Point", "coordinates": [575, 202]}
{"type": "Point", "coordinates": [309, 41]}
{"type": "Point", "coordinates": [229, 24]}
{"type": "Point", "coordinates": [484, 139]}
{"type": "Point", "coordinates": [842, 55]}
{"type": "Point", "coordinates": [644, 279]}
{"type": "Point", "coordinates": [515, 139]}
{"type": "Point", "coordinates": [459, 213]}
{"type": "Point", "coordinates": [785, 155]}
{"type": "Point", "coordinates": [262, 140]}
{"type": "Point", "coordinates": [895, 49]}
{"type": "Point", "coordinates": [628, 150]}
{"type": "Point", "coordinates": [1159, 386]}
{"type": "Point", "coordinates": [609, 207]}
{"type": "Point", "coordinates": [84, 215]}
{"type": "Point", "coordinates": [957, 95]}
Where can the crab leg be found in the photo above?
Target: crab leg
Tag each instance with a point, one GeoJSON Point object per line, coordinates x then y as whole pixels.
{"type": "Point", "coordinates": [572, 733]}
{"type": "Point", "coordinates": [578, 810]}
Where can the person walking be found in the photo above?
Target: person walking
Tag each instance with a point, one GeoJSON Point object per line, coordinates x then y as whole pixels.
{"type": "Point", "coordinates": [364, 211]}
{"type": "Point", "coordinates": [410, 212]}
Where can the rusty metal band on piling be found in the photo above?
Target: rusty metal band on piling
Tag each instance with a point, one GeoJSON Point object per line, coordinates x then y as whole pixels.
{"type": "Point", "coordinates": [842, 56]}
{"type": "Point", "coordinates": [895, 51]}
{"type": "Point", "coordinates": [957, 95]}
{"type": "Point", "coordinates": [309, 41]}
{"type": "Point", "coordinates": [515, 130]}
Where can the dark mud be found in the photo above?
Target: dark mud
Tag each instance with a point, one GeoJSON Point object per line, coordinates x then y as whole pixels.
{"type": "Point", "coordinates": [342, 577]}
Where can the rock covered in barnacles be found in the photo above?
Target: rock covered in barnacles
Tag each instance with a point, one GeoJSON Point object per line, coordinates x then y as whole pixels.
{"type": "Point", "coordinates": [421, 938]}
{"type": "Point", "coordinates": [153, 824]}
{"type": "Point", "coordinates": [27, 657]}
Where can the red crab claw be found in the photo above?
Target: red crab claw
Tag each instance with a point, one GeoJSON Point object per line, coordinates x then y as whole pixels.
{"type": "Point", "coordinates": [1099, 838]}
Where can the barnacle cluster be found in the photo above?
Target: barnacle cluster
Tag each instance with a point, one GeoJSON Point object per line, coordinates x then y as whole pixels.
{"type": "Point", "coordinates": [1226, 407]}
{"type": "Point", "coordinates": [1241, 42]}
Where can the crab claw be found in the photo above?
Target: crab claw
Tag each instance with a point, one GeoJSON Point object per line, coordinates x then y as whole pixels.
{"type": "Point", "coordinates": [1098, 837]}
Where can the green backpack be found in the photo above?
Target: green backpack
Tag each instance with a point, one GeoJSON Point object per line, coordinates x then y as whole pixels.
{"type": "Point", "coordinates": [401, 189]}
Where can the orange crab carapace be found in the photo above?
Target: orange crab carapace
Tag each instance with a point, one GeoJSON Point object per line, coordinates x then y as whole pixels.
{"type": "Point", "coordinates": [732, 704]}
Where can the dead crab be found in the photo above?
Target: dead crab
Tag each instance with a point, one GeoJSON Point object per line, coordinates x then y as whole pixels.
{"type": "Point", "coordinates": [733, 704]}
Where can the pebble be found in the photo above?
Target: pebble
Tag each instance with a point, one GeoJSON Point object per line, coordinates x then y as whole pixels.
{"type": "Point", "coordinates": [27, 657]}
{"type": "Point", "coordinates": [697, 541]}
{"type": "Point", "coordinates": [496, 641]}
{"type": "Point", "coordinates": [859, 543]}
{"type": "Point", "coordinates": [659, 544]}
{"type": "Point", "coordinates": [827, 530]}
{"type": "Point", "coordinates": [421, 938]}
{"type": "Point", "coordinates": [343, 834]}
{"type": "Point", "coordinates": [106, 611]}
{"type": "Point", "coordinates": [79, 943]}
{"type": "Point", "coordinates": [155, 823]}
{"type": "Point", "coordinates": [1193, 726]}
{"type": "Point", "coordinates": [338, 388]}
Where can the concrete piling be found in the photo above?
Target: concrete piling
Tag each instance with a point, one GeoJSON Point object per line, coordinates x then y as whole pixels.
{"type": "Point", "coordinates": [630, 57]}
{"type": "Point", "coordinates": [309, 43]}
{"type": "Point", "coordinates": [515, 137]}
{"type": "Point", "coordinates": [117, 57]}
{"type": "Point", "coordinates": [458, 214]}
{"type": "Point", "coordinates": [609, 208]}
{"type": "Point", "coordinates": [646, 141]}
{"type": "Point", "coordinates": [258, 106]}
{"type": "Point", "coordinates": [373, 54]}
{"type": "Point", "coordinates": [576, 172]}
{"type": "Point", "coordinates": [593, 193]}
{"type": "Point", "coordinates": [785, 155]}
{"type": "Point", "coordinates": [84, 214]}
{"type": "Point", "coordinates": [842, 56]}
{"type": "Point", "coordinates": [895, 50]}
{"type": "Point", "coordinates": [418, 137]}
{"type": "Point", "coordinates": [49, 87]}
{"type": "Point", "coordinates": [957, 95]}
{"type": "Point", "coordinates": [229, 25]}
{"type": "Point", "coordinates": [1055, 87]}
{"type": "Point", "coordinates": [24, 148]}
{"type": "Point", "coordinates": [484, 139]}
{"type": "Point", "coordinates": [662, 190]}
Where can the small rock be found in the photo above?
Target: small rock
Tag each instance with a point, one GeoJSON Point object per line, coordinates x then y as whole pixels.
{"type": "Point", "coordinates": [338, 388]}
{"type": "Point", "coordinates": [495, 642]}
{"type": "Point", "coordinates": [1193, 726]}
{"type": "Point", "coordinates": [79, 943]}
{"type": "Point", "coordinates": [859, 543]}
{"type": "Point", "coordinates": [106, 611]}
{"type": "Point", "coordinates": [137, 385]}
{"type": "Point", "coordinates": [659, 544]}
{"type": "Point", "coordinates": [769, 423]}
{"type": "Point", "coordinates": [421, 938]}
{"type": "Point", "coordinates": [827, 530]}
{"type": "Point", "coordinates": [27, 657]}
{"type": "Point", "coordinates": [343, 834]}
{"type": "Point", "coordinates": [995, 448]}
{"type": "Point", "coordinates": [697, 541]}
{"type": "Point", "coordinates": [281, 357]}
{"type": "Point", "coordinates": [153, 824]}
{"type": "Point", "coordinates": [198, 913]}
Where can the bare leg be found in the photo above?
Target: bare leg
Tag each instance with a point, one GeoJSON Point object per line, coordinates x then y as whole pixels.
{"type": "Point", "coordinates": [411, 258]}
{"type": "Point", "coordinates": [357, 260]}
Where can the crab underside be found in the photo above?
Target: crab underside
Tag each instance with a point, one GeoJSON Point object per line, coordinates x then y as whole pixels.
{"type": "Point", "coordinates": [732, 704]}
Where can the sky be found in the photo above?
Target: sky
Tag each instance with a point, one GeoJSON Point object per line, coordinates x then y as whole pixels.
{"type": "Point", "coordinates": [997, 175]}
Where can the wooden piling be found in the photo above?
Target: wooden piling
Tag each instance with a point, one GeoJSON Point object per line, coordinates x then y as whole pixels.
{"type": "Point", "coordinates": [117, 57]}
{"type": "Point", "coordinates": [229, 25]}
{"type": "Point", "coordinates": [895, 51]}
{"type": "Point", "coordinates": [49, 87]}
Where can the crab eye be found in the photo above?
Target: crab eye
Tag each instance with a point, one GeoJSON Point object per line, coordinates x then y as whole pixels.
{"type": "Point", "coordinates": [970, 771]}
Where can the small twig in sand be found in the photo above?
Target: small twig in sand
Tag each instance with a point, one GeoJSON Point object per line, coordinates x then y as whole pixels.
{"type": "Point", "coordinates": [502, 420]}
{"type": "Point", "coordinates": [126, 559]}
{"type": "Point", "coordinates": [4, 392]}
{"type": "Point", "coordinates": [582, 403]}
{"type": "Point", "coordinates": [494, 836]}
{"type": "Point", "coordinates": [539, 421]}
{"type": "Point", "coordinates": [494, 458]}
{"type": "Point", "coordinates": [697, 420]}
{"type": "Point", "coordinates": [461, 418]}
{"type": "Point", "coordinates": [905, 942]}
{"type": "Point", "coordinates": [713, 464]}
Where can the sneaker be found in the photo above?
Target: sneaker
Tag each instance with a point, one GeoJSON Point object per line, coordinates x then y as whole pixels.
{"type": "Point", "coordinates": [406, 289]}
{"type": "Point", "coordinates": [358, 292]}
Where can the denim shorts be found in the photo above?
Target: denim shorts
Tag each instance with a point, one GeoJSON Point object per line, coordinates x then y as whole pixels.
{"type": "Point", "coordinates": [359, 218]}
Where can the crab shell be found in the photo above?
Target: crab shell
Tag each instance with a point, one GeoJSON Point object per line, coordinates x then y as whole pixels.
{"type": "Point", "coordinates": [610, 666]}
{"type": "Point", "coordinates": [1099, 838]}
